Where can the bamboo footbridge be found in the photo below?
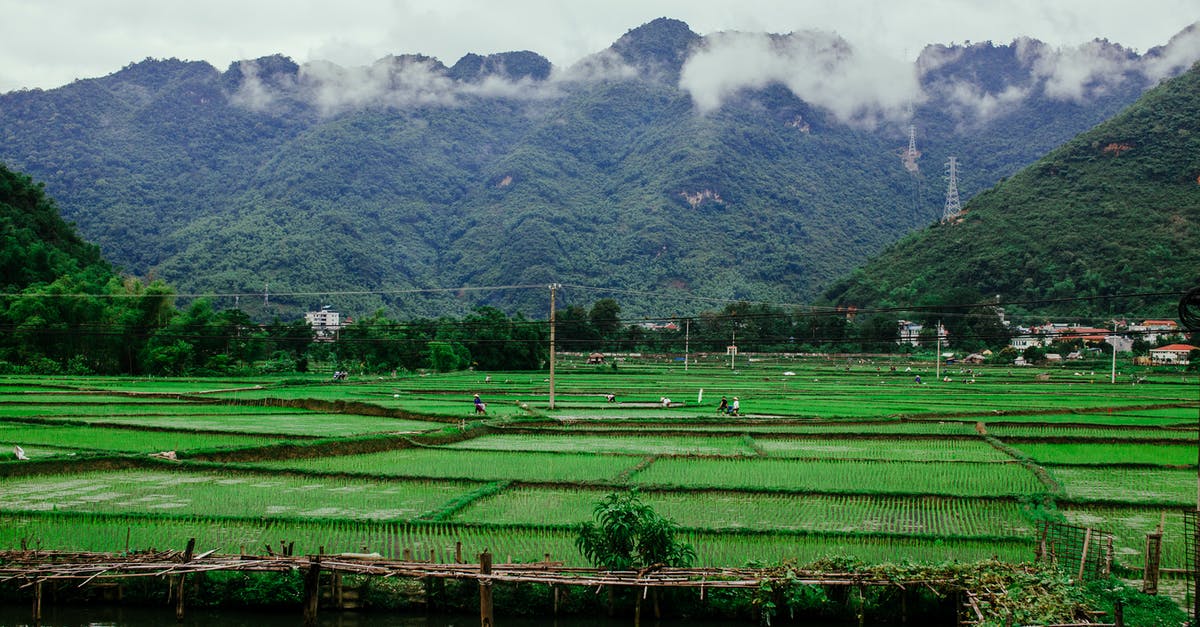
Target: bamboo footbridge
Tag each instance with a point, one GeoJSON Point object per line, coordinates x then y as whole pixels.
{"type": "Point", "coordinates": [33, 568]}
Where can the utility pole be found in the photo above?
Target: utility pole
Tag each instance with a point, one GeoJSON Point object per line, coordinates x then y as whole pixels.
{"type": "Point", "coordinates": [687, 336]}
{"type": "Point", "coordinates": [553, 288]}
{"type": "Point", "coordinates": [733, 352]}
{"type": "Point", "coordinates": [937, 356]}
{"type": "Point", "coordinates": [1113, 344]}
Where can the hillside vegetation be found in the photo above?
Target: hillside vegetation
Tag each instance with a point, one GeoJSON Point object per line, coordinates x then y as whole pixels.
{"type": "Point", "coordinates": [1115, 211]}
{"type": "Point", "coordinates": [502, 170]}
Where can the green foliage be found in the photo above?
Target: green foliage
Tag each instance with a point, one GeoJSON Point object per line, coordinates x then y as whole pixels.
{"type": "Point", "coordinates": [629, 534]}
{"type": "Point", "coordinates": [1122, 201]}
{"type": "Point", "coordinates": [614, 182]}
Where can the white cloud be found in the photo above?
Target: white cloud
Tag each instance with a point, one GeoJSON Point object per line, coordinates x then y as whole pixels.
{"type": "Point", "coordinates": [1075, 73]}
{"type": "Point", "coordinates": [1179, 54]}
{"type": "Point", "coordinates": [859, 86]}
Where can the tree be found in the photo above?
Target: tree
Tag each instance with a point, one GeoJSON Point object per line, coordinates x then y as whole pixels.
{"type": "Point", "coordinates": [605, 317]}
{"type": "Point", "coordinates": [630, 534]}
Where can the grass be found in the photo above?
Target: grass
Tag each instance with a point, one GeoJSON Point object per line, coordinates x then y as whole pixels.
{"type": "Point", "coordinates": [846, 458]}
{"type": "Point", "coordinates": [228, 494]}
{"type": "Point", "coordinates": [470, 465]}
{"type": "Point", "coordinates": [846, 477]}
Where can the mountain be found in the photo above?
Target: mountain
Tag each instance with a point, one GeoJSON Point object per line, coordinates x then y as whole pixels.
{"type": "Point", "coordinates": [1115, 212]}
{"type": "Point", "coordinates": [36, 245]}
{"type": "Point", "coordinates": [671, 167]}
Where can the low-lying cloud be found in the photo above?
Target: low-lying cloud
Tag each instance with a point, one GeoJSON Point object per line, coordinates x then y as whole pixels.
{"type": "Point", "coordinates": [405, 82]}
{"type": "Point", "coordinates": [858, 86]}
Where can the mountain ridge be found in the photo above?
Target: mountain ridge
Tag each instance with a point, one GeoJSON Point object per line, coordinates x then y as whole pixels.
{"type": "Point", "coordinates": [410, 175]}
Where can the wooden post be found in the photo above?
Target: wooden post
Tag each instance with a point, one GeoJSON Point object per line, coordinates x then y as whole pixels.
{"type": "Point", "coordinates": [637, 612]}
{"type": "Point", "coordinates": [458, 552]}
{"type": "Point", "coordinates": [312, 590]}
{"type": "Point", "coordinates": [1087, 541]}
{"type": "Point", "coordinates": [37, 603]}
{"type": "Point", "coordinates": [486, 617]}
{"type": "Point", "coordinates": [1118, 613]}
{"type": "Point", "coordinates": [1152, 560]}
{"type": "Point", "coordinates": [187, 557]}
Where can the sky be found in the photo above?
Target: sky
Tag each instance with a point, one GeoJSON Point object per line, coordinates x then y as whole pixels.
{"type": "Point", "coordinates": [48, 43]}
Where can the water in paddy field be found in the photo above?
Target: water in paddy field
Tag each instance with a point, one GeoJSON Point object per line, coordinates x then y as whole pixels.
{"type": "Point", "coordinates": [118, 616]}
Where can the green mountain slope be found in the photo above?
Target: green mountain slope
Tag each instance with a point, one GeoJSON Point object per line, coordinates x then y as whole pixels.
{"type": "Point", "coordinates": [36, 245]}
{"type": "Point", "coordinates": [360, 187]}
{"type": "Point", "coordinates": [1114, 211]}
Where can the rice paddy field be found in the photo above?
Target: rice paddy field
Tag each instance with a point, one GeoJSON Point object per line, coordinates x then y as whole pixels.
{"type": "Point", "coordinates": [829, 457]}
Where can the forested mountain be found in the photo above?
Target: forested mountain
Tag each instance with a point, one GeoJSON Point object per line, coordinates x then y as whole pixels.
{"type": "Point", "coordinates": [672, 166]}
{"type": "Point", "coordinates": [1115, 211]}
{"type": "Point", "coordinates": [36, 245]}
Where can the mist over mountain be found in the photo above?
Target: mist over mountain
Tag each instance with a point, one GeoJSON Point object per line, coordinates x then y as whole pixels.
{"type": "Point", "coordinates": [673, 167]}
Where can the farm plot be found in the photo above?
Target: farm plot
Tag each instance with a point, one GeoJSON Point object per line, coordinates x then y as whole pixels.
{"type": "Point", "coordinates": [98, 532]}
{"type": "Point", "coordinates": [1098, 419]}
{"type": "Point", "coordinates": [1149, 486]}
{"type": "Point", "coordinates": [471, 465]}
{"type": "Point", "coordinates": [1129, 526]}
{"type": "Point", "coordinates": [122, 440]}
{"type": "Point", "coordinates": [225, 494]}
{"type": "Point", "coordinates": [1036, 432]}
{"type": "Point", "coordinates": [1109, 454]}
{"type": "Point", "coordinates": [766, 512]}
{"type": "Point", "coordinates": [629, 445]}
{"type": "Point", "coordinates": [732, 549]}
{"type": "Point", "coordinates": [779, 427]}
{"type": "Point", "coordinates": [846, 477]}
{"type": "Point", "coordinates": [974, 450]}
{"type": "Point", "coordinates": [278, 422]}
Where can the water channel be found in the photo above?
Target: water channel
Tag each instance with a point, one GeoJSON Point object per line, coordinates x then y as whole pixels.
{"type": "Point", "coordinates": [140, 616]}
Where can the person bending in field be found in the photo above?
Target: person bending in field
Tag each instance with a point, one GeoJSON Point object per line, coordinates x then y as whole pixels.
{"type": "Point", "coordinates": [735, 407]}
{"type": "Point", "coordinates": [723, 408]}
{"type": "Point", "coordinates": [480, 407]}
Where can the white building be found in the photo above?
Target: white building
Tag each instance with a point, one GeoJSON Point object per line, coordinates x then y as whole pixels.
{"type": "Point", "coordinates": [325, 323]}
{"type": "Point", "coordinates": [910, 332]}
{"type": "Point", "coordinates": [1176, 354]}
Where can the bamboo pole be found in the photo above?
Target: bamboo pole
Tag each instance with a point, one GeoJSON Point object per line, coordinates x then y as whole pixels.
{"type": "Point", "coordinates": [37, 602]}
{"type": "Point", "coordinates": [486, 616]}
{"type": "Point", "coordinates": [312, 590]}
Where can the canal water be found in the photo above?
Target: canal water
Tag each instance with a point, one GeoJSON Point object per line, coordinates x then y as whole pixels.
{"type": "Point", "coordinates": [137, 616]}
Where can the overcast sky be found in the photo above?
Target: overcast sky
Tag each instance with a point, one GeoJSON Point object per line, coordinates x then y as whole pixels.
{"type": "Point", "coordinates": [47, 43]}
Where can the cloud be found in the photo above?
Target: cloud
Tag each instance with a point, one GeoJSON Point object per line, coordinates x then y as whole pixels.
{"type": "Point", "coordinates": [1076, 72]}
{"type": "Point", "coordinates": [857, 85]}
{"type": "Point", "coordinates": [398, 82]}
{"type": "Point", "coordinates": [1176, 56]}
{"type": "Point", "coordinates": [970, 102]}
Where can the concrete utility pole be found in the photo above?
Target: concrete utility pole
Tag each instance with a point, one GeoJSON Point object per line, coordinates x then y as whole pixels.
{"type": "Point", "coordinates": [937, 356]}
{"type": "Point", "coordinates": [553, 288]}
{"type": "Point", "coordinates": [687, 336]}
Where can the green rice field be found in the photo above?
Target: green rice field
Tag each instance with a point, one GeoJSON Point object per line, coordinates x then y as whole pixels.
{"type": "Point", "coordinates": [841, 458]}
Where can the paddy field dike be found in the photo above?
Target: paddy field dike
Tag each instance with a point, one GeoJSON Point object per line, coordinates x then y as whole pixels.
{"type": "Point", "coordinates": [829, 457]}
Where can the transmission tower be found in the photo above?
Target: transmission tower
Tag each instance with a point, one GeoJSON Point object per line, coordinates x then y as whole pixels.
{"type": "Point", "coordinates": [953, 206]}
{"type": "Point", "coordinates": [912, 154]}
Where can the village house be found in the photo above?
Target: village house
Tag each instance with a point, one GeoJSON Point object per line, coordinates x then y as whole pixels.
{"type": "Point", "coordinates": [910, 332]}
{"type": "Point", "coordinates": [1153, 330]}
{"type": "Point", "coordinates": [324, 323]}
{"type": "Point", "coordinates": [1175, 354]}
{"type": "Point", "coordinates": [1047, 334]}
